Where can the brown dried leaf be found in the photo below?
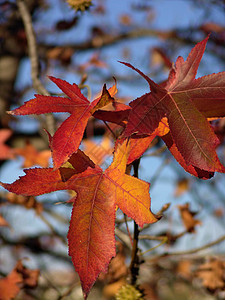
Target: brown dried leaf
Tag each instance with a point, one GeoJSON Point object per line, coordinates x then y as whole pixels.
{"type": "Point", "coordinates": [182, 186]}
{"type": "Point", "coordinates": [125, 20]}
{"type": "Point", "coordinates": [184, 269]}
{"type": "Point", "coordinates": [212, 274]}
{"type": "Point", "coordinates": [30, 277]}
{"type": "Point", "coordinates": [94, 61]}
{"type": "Point", "coordinates": [26, 201]}
{"type": "Point", "coordinates": [219, 212]}
{"type": "Point", "coordinates": [188, 217]}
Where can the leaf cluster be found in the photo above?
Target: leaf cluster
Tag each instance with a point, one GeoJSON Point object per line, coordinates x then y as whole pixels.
{"type": "Point", "coordinates": [179, 111]}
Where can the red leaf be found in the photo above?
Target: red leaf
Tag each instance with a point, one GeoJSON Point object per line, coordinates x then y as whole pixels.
{"type": "Point", "coordinates": [5, 151]}
{"type": "Point", "coordinates": [67, 138]}
{"type": "Point", "coordinates": [118, 116]}
{"type": "Point", "coordinates": [190, 169]}
{"type": "Point", "coordinates": [91, 233]}
{"type": "Point", "coordinates": [186, 102]}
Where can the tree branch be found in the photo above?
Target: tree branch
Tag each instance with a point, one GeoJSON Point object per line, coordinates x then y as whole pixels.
{"type": "Point", "coordinates": [32, 51]}
{"type": "Point", "coordinates": [135, 261]}
{"type": "Point", "coordinates": [192, 251]}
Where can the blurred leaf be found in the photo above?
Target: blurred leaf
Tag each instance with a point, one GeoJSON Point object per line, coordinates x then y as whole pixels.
{"type": "Point", "coordinates": [80, 4]}
{"type": "Point", "coordinates": [33, 157]}
{"type": "Point", "coordinates": [187, 217]}
{"type": "Point", "coordinates": [212, 274]}
{"type": "Point", "coordinates": [5, 151]}
{"type": "Point", "coordinates": [182, 186]}
{"type": "Point", "coordinates": [3, 222]}
{"type": "Point", "coordinates": [10, 286]}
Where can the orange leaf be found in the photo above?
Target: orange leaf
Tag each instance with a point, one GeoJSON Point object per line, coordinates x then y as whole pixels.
{"type": "Point", "coordinates": [3, 222]}
{"type": "Point", "coordinates": [32, 156]}
{"type": "Point", "coordinates": [9, 286]}
{"type": "Point", "coordinates": [98, 151]}
{"type": "Point", "coordinates": [5, 151]}
{"type": "Point", "coordinates": [91, 233]}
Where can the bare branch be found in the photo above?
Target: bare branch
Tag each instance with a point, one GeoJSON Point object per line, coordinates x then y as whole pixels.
{"type": "Point", "coordinates": [217, 241]}
{"type": "Point", "coordinates": [32, 51]}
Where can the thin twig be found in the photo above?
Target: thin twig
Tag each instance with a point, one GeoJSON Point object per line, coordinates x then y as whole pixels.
{"type": "Point", "coordinates": [152, 237]}
{"type": "Point", "coordinates": [68, 291]}
{"type": "Point", "coordinates": [153, 248]}
{"type": "Point", "coordinates": [134, 265]}
{"type": "Point", "coordinates": [128, 230]}
{"type": "Point", "coordinates": [113, 133]}
{"type": "Point", "coordinates": [32, 47]}
{"type": "Point", "coordinates": [33, 55]}
{"type": "Point", "coordinates": [195, 250]}
{"type": "Point", "coordinates": [123, 237]}
{"type": "Point", "coordinates": [54, 232]}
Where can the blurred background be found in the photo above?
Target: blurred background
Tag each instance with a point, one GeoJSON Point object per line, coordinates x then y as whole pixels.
{"type": "Point", "coordinates": [82, 42]}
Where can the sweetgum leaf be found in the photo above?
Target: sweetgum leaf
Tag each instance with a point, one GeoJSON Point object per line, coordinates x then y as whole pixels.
{"type": "Point", "coordinates": [177, 155]}
{"type": "Point", "coordinates": [91, 233]}
{"type": "Point", "coordinates": [187, 103]}
{"type": "Point", "coordinates": [68, 136]}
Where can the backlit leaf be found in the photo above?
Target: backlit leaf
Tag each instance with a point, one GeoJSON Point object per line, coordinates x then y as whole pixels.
{"type": "Point", "coordinates": [187, 103]}
{"type": "Point", "coordinates": [67, 138]}
{"type": "Point", "coordinates": [91, 233]}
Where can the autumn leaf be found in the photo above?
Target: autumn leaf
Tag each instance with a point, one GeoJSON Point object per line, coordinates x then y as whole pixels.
{"type": "Point", "coordinates": [10, 285]}
{"type": "Point", "coordinates": [5, 151]}
{"type": "Point", "coordinates": [91, 233]}
{"type": "Point", "coordinates": [188, 217]}
{"type": "Point", "coordinates": [177, 155]}
{"type": "Point", "coordinates": [29, 202]}
{"type": "Point", "coordinates": [212, 274]}
{"type": "Point", "coordinates": [94, 61]}
{"type": "Point", "coordinates": [139, 144]}
{"type": "Point", "coordinates": [67, 138]}
{"type": "Point", "coordinates": [80, 4]}
{"type": "Point", "coordinates": [3, 222]}
{"type": "Point", "coordinates": [184, 269]}
{"type": "Point", "coordinates": [20, 277]}
{"type": "Point", "coordinates": [182, 186]}
{"type": "Point", "coordinates": [30, 276]}
{"type": "Point", "coordinates": [32, 156]}
{"type": "Point", "coordinates": [118, 116]}
{"type": "Point", "coordinates": [98, 151]}
{"type": "Point", "coordinates": [187, 103]}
